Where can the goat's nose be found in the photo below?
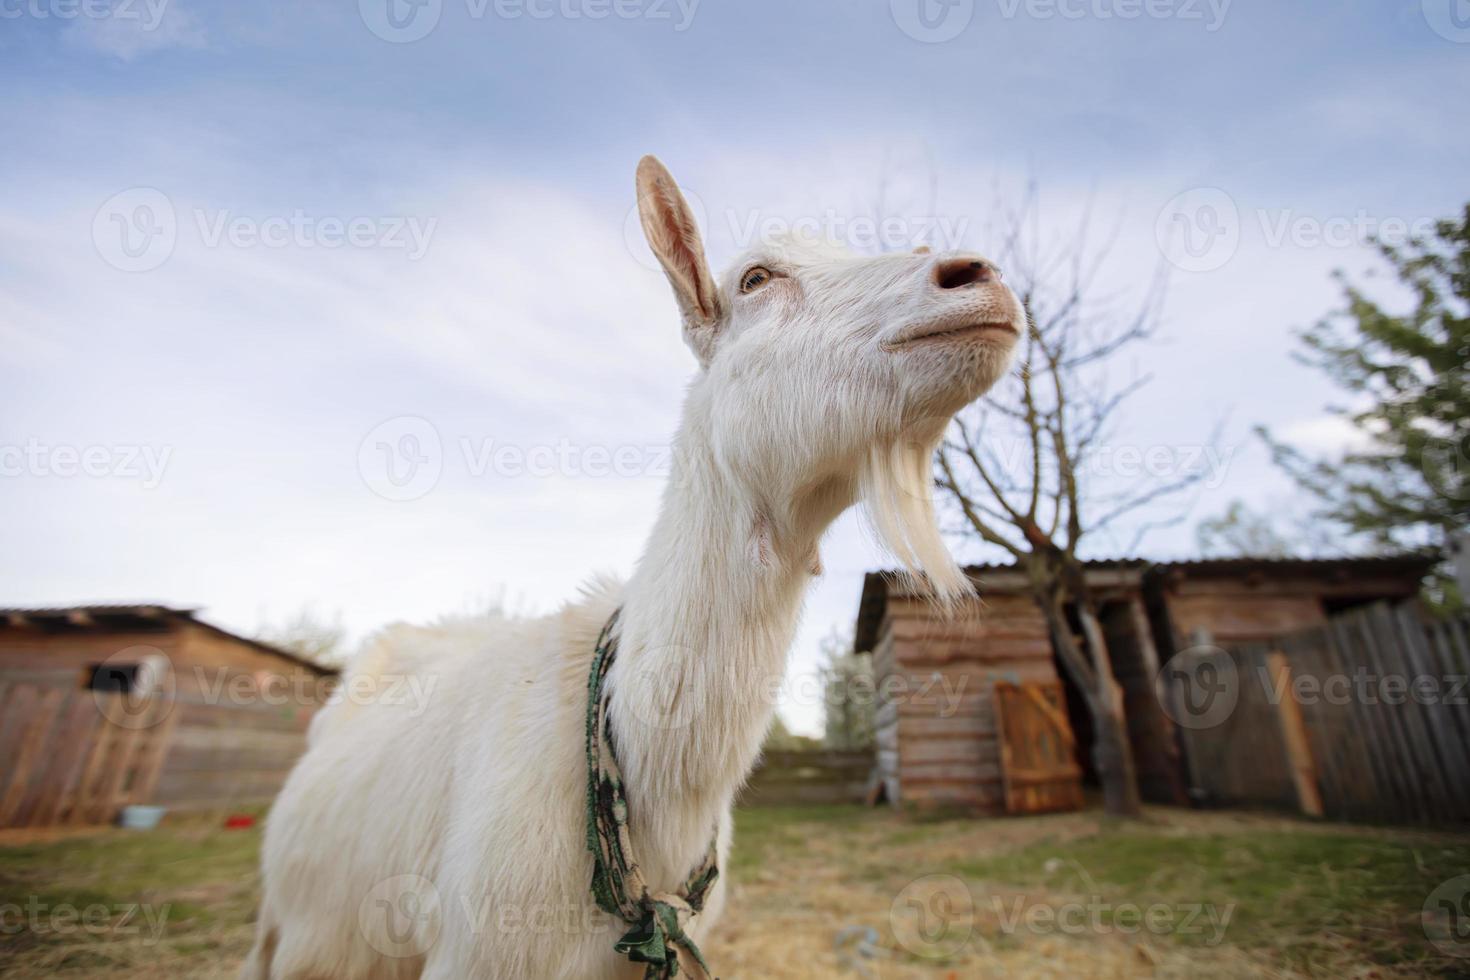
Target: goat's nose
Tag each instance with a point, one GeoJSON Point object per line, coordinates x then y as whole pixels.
{"type": "Point", "coordinates": [964, 271]}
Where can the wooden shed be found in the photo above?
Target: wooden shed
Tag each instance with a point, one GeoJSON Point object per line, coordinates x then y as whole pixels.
{"type": "Point", "coordinates": [108, 705]}
{"type": "Point", "coordinates": [975, 712]}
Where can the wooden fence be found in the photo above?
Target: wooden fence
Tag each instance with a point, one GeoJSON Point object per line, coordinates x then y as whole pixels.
{"type": "Point", "coordinates": [1366, 719]}
{"type": "Point", "coordinates": [823, 776]}
{"type": "Point", "coordinates": [70, 755]}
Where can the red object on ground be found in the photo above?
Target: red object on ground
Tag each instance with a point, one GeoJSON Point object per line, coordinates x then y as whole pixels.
{"type": "Point", "coordinates": [239, 822]}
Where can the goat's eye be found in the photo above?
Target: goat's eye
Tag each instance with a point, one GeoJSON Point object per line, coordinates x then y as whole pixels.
{"type": "Point", "coordinates": [755, 279]}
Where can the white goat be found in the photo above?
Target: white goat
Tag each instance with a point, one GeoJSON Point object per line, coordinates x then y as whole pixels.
{"type": "Point", "coordinates": [451, 844]}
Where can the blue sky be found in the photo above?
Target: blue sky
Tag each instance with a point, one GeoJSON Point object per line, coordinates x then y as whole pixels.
{"type": "Point", "coordinates": [497, 291]}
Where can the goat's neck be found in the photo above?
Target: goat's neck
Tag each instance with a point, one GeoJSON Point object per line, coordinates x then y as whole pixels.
{"type": "Point", "coordinates": [707, 620]}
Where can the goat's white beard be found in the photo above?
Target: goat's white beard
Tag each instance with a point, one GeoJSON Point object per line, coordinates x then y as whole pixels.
{"type": "Point", "coordinates": [896, 487]}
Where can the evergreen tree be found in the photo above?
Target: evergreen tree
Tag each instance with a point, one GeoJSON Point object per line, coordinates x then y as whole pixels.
{"type": "Point", "coordinates": [1409, 487]}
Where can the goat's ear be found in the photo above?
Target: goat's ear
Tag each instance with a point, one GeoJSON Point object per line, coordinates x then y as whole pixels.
{"type": "Point", "coordinates": [669, 227]}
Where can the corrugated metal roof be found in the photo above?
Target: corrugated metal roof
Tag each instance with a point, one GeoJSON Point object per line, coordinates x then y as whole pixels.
{"type": "Point", "coordinates": [876, 584]}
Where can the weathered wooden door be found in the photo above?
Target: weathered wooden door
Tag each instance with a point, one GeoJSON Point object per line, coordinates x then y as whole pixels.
{"type": "Point", "coordinates": [1037, 748]}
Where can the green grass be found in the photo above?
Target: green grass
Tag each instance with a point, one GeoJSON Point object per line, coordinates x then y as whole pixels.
{"type": "Point", "coordinates": [178, 891]}
{"type": "Point", "coordinates": [1304, 897]}
{"type": "Point", "coordinates": [1302, 893]}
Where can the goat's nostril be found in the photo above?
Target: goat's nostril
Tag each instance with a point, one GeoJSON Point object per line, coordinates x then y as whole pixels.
{"type": "Point", "coordinates": [956, 273]}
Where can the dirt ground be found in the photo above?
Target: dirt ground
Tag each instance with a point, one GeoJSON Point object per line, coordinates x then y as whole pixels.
{"type": "Point", "coordinates": [849, 892]}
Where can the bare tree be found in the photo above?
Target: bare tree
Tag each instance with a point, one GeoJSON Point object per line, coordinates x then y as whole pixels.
{"type": "Point", "coordinates": [1015, 466]}
{"type": "Point", "coordinates": [308, 634]}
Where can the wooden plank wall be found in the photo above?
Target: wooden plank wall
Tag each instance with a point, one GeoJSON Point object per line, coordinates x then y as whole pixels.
{"type": "Point", "coordinates": [1376, 750]}
{"type": "Point", "coordinates": [935, 725]}
{"type": "Point", "coordinates": [76, 756]}
{"type": "Point", "coordinates": [231, 754]}
{"type": "Point", "coordinates": [1239, 758]}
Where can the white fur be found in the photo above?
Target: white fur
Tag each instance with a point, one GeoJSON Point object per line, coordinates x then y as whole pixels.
{"type": "Point", "coordinates": [807, 401]}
